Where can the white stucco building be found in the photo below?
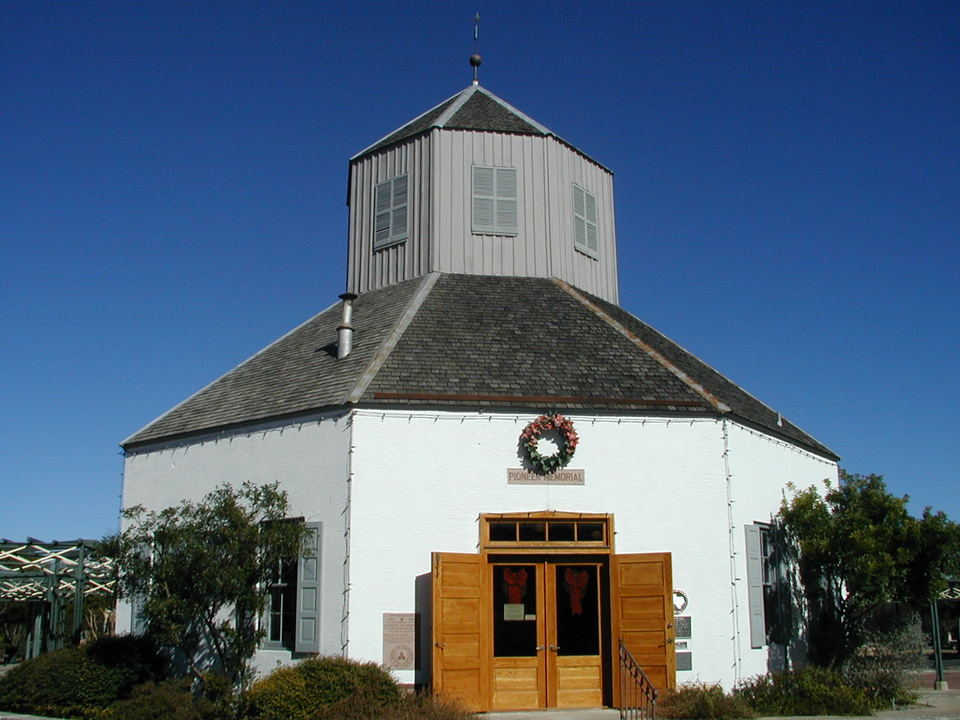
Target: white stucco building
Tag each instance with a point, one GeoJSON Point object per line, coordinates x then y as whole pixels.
{"type": "Point", "coordinates": [482, 293]}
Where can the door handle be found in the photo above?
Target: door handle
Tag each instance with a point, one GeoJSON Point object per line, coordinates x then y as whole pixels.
{"type": "Point", "coordinates": [555, 647]}
{"type": "Point", "coordinates": [539, 648]}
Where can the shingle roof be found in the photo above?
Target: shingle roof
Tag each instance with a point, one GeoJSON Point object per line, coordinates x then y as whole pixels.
{"type": "Point", "coordinates": [471, 341]}
{"type": "Point", "coordinates": [474, 108]}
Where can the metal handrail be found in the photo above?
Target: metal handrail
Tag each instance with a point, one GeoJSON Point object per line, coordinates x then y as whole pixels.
{"type": "Point", "coordinates": [638, 696]}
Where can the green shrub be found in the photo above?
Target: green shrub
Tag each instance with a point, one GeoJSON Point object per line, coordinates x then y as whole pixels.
{"type": "Point", "coordinates": [169, 700]}
{"type": "Point", "coordinates": [882, 666]}
{"type": "Point", "coordinates": [77, 681]}
{"type": "Point", "coordinates": [698, 700]}
{"type": "Point", "coordinates": [302, 691]}
{"type": "Point", "coordinates": [410, 707]}
{"type": "Point", "coordinates": [809, 691]}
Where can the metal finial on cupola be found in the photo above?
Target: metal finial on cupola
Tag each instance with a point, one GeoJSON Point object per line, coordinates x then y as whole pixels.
{"type": "Point", "coordinates": [475, 59]}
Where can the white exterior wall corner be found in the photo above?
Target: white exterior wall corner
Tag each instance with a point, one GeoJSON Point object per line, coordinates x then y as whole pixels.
{"type": "Point", "coordinates": [421, 479]}
{"type": "Point", "coordinates": [761, 467]}
{"type": "Point", "coordinates": [310, 460]}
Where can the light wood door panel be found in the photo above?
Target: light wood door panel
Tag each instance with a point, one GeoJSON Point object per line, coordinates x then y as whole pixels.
{"type": "Point", "coordinates": [642, 589]}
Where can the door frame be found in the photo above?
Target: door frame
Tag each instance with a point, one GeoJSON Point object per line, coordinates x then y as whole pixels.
{"type": "Point", "coordinates": [592, 550]}
{"type": "Point", "coordinates": [547, 660]}
{"type": "Point", "coordinates": [471, 672]}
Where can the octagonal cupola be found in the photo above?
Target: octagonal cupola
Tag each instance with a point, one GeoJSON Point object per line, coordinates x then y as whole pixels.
{"type": "Point", "coordinates": [475, 186]}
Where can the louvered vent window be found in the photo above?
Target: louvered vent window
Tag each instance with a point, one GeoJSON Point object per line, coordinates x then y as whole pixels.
{"type": "Point", "coordinates": [495, 200]}
{"type": "Point", "coordinates": [585, 220]}
{"type": "Point", "coordinates": [390, 214]}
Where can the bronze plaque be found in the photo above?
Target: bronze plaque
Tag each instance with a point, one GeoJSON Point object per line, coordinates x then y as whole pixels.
{"type": "Point", "coordinates": [399, 641]}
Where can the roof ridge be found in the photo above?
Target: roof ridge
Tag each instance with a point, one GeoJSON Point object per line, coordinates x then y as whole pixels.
{"type": "Point", "coordinates": [220, 377]}
{"type": "Point", "coordinates": [391, 340]}
{"type": "Point", "coordinates": [409, 122]}
{"type": "Point", "coordinates": [519, 113]}
{"type": "Point", "coordinates": [713, 400]}
{"type": "Point", "coordinates": [455, 106]}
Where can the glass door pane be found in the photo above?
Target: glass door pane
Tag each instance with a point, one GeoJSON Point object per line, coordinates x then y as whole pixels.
{"type": "Point", "coordinates": [514, 610]}
{"type": "Point", "coordinates": [578, 610]}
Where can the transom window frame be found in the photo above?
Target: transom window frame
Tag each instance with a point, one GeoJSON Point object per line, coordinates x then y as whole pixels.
{"type": "Point", "coordinates": [582, 218]}
{"type": "Point", "coordinates": [500, 195]}
{"type": "Point", "coordinates": [605, 545]}
{"type": "Point", "coordinates": [391, 212]}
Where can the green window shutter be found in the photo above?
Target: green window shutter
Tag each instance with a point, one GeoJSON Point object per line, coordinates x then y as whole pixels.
{"type": "Point", "coordinates": [758, 634]}
{"type": "Point", "coordinates": [308, 592]}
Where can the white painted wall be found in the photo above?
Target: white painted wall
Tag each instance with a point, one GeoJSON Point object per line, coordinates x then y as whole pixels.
{"type": "Point", "coordinates": [421, 479]}
{"type": "Point", "coordinates": [760, 467]}
{"type": "Point", "coordinates": [309, 459]}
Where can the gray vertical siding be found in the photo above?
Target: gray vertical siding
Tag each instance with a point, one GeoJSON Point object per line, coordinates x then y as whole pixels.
{"type": "Point", "coordinates": [439, 167]}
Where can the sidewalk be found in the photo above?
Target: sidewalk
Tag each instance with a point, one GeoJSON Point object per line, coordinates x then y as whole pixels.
{"type": "Point", "coordinates": [933, 705]}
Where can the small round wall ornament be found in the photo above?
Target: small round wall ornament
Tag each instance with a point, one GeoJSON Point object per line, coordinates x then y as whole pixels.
{"type": "Point", "coordinates": [530, 437]}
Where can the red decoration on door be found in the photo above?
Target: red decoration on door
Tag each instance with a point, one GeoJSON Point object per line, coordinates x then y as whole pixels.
{"type": "Point", "coordinates": [515, 583]}
{"type": "Point", "coordinates": [575, 583]}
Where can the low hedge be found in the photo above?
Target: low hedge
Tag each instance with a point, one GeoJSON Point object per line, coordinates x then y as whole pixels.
{"type": "Point", "coordinates": [702, 701]}
{"type": "Point", "coordinates": [168, 700]}
{"type": "Point", "coordinates": [808, 691]}
{"type": "Point", "coordinates": [302, 691]}
{"type": "Point", "coordinates": [79, 681]}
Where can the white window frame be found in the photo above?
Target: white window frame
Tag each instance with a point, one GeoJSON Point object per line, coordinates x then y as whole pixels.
{"type": "Point", "coordinates": [391, 216]}
{"type": "Point", "coordinates": [584, 218]}
{"type": "Point", "coordinates": [495, 208]}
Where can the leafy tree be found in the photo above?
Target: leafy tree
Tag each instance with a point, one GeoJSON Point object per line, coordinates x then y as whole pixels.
{"type": "Point", "coordinates": [198, 569]}
{"type": "Point", "coordinates": [856, 549]}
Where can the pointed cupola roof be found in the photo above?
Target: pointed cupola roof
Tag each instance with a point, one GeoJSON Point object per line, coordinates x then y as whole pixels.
{"type": "Point", "coordinates": [474, 108]}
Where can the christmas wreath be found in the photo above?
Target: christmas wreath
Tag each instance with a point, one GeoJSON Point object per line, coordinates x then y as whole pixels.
{"type": "Point", "coordinates": [568, 442]}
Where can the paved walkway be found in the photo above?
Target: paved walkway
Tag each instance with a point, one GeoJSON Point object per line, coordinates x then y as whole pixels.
{"type": "Point", "coordinates": [933, 705]}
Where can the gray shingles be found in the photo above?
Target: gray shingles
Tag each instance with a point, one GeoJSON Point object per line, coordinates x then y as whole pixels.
{"type": "Point", "coordinates": [476, 341]}
{"type": "Point", "coordinates": [481, 111]}
{"type": "Point", "coordinates": [297, 373]}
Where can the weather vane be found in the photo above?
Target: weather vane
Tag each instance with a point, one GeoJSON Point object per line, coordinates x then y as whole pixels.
{"type": "Point", "coordinates": [475, 59]}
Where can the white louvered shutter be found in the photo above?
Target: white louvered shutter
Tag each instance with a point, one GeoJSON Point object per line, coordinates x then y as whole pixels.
{"type": "Point", "coordinates": [506, 199]}
{"type": "Point", "coordinates": [494, 200]}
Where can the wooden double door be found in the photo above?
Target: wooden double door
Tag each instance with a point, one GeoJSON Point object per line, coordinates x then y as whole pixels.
{"type": "Point", "coordinates": [548, 629]}
{"type": "Point", "coordinates": [517, 632]}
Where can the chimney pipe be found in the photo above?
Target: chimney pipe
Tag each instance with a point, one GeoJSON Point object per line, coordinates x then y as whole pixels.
{"type": "Point", "coordinates": [345, 329]}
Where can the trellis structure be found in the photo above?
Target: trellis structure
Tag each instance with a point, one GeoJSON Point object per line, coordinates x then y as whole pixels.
{"type": "Point", "coordinates": [49, 576]}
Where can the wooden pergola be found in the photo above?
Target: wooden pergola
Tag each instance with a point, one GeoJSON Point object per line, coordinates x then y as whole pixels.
{"type": "Point", "coordinates": [49, 576]}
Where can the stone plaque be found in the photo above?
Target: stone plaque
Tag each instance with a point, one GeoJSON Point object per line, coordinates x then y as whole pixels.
{"type": "Point", "coordinates": [399, 641]}
{"type": "Point", "coordinates": [519, 476]}
{"type": "Point", "coordinates": [682, 625]}
{"type": "Point", "coordinates": [684, 661]}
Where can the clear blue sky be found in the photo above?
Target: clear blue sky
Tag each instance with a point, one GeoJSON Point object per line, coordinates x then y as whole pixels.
{"type": "Point", "coordinates": [172, 187]}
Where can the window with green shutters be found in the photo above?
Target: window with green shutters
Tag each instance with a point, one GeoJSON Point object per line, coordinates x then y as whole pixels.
{"type": "Point", "coordinates": [494, 200]}
{"type": "Point", "coordinates": [292, 618]}
{"type": "Point", "coordinates": [585, 221]}
{"type": "Point", "coordinates": [390, 212]}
